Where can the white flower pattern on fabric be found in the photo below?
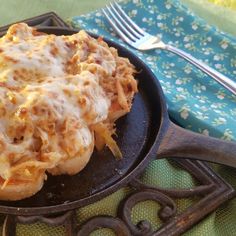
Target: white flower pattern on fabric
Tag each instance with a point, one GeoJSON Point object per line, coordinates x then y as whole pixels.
{"type": "Point", "coordinates": [185, 87]}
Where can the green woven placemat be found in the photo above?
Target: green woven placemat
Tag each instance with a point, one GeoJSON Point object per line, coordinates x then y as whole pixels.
{"type": "Point", "coordinates": [12, 10]}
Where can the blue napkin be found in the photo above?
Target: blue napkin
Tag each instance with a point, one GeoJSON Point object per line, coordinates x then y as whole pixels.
{"type": "Point", "coordinates": [194, 99]}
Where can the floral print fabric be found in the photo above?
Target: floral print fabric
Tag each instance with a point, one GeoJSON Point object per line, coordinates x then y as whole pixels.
{"type": "Point", "coordinates": [195, 100]}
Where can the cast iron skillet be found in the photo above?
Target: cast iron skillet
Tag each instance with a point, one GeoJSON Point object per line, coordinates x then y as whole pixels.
{"type": "Point", "coordinates": [144, 134]}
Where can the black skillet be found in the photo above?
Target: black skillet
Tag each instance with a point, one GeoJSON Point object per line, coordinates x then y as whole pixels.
{"type": "Point", "coordinates": [146, 133]}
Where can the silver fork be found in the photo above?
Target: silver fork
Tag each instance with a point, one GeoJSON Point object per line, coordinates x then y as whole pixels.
{"type": "Point", "coordinates": [136, 37]}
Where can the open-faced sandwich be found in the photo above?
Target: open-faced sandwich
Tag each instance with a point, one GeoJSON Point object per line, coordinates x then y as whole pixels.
{"type": "Point", "coordinates": [59, 97]}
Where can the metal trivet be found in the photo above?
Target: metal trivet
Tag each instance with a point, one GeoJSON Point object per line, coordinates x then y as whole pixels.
{"type": "Point", "coordinates": [211, 192]}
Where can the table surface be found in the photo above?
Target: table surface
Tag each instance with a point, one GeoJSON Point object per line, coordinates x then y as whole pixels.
{"type": "Point", "coordinates": [11, 11]}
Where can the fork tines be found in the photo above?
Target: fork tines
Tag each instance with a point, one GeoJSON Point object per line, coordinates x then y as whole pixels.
{"type": "Point", "coordinates": [122, 24]}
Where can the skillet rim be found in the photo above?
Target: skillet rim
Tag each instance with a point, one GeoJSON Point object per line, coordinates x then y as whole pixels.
{"type": "Point", "coordinates": [164, 123]}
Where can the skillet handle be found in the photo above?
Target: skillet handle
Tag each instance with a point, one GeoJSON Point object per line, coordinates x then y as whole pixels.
{"type": "Point", "coordinates": [179, 142]}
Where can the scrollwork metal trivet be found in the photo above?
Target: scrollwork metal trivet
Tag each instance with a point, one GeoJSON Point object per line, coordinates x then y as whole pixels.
{"type": "Point", "coordinates": [212, 192]}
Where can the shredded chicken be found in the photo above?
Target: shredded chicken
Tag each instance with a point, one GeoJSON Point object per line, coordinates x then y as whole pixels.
{"type": "Point", "coordinates": [59, 97]}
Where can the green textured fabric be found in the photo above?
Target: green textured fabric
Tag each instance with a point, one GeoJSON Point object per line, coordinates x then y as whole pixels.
{"type": "Point", "coordinates": [161, 172]}
{"type": "Point", "coordinates": [222, 17]}
{"type": "Point", "coordinates": [15, 10]}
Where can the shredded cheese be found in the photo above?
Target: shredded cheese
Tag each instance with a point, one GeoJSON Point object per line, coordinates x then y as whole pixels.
{"type": "Point", "coordinates": [55, 93]}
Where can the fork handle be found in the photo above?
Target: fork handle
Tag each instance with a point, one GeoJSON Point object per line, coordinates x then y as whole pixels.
{"type": "Point", "coordinates": [220, 78]}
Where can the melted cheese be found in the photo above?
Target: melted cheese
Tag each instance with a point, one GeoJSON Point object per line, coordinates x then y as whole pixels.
{"type": "Point", "coordinates": [52, 92]}
{"type": "Point", "coordinates": [41, 102]}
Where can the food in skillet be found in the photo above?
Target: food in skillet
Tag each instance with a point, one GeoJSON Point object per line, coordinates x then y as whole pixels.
{"type": "Point", "coordinates": [59, 97]}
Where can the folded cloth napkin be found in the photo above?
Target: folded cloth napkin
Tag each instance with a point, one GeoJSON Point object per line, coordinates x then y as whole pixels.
{"type": "Point", "coordinates": [194, 100]}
